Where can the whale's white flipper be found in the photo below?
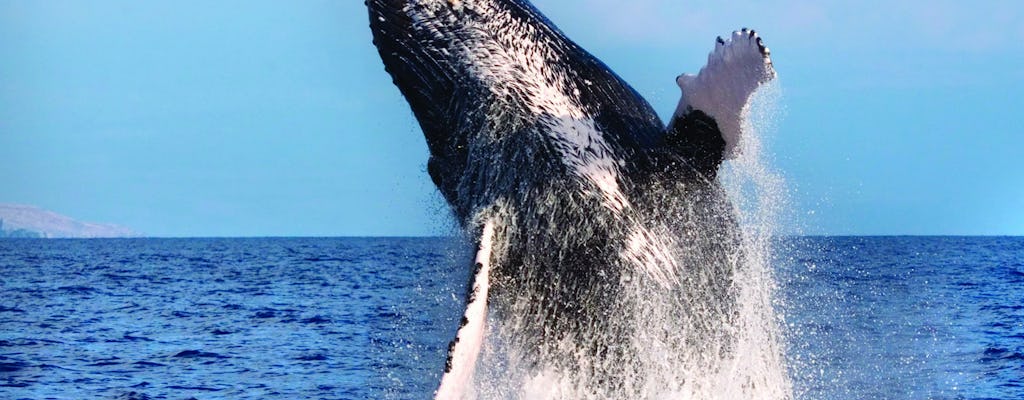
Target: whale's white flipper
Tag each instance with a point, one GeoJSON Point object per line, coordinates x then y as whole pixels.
{"type": "Point", "coordinates": [735, 69]}
{"type": "Point", "coordinates": [464, 350]}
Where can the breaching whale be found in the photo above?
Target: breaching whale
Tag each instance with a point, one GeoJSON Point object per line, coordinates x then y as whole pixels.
{"type": "Point", "coordinates": [580, 201]}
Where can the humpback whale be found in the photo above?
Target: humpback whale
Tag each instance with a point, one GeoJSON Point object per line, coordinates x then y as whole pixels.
{"type": "Point", "coordinates": [581, 202]}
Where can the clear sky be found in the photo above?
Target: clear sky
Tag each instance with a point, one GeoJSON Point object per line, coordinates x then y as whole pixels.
{"type": "Point", "coordinates": [255, 118]}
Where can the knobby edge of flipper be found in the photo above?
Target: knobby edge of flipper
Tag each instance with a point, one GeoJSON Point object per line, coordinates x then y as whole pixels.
{"type": "Point", "coordinates": [464, 350]}
{"type": "Point", "coordinates": [706, 127]}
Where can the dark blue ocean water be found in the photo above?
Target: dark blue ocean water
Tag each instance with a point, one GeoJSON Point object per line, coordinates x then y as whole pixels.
{"type": "Point", "coordinates": [866, 318]}
{"type": "Point", "coordinates": [905, 317]}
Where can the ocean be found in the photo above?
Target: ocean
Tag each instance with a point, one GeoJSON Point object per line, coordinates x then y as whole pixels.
{"type": "Point", "coordinates": [370, 318]}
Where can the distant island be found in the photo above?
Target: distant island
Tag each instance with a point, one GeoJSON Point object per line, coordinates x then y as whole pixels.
{"type": "Point", "coordinates": [22, 221]}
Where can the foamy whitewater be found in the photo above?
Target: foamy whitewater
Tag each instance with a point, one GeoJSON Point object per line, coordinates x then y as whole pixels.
{"type": "Point", "coordinates": [682, 342]}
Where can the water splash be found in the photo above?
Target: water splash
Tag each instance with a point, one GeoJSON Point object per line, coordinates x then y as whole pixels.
{"type": "Point", "coordinates": [760, 196]}
{"type": "Point", "coordinates": [713, 334]}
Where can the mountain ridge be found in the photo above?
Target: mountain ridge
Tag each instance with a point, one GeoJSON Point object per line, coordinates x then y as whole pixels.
{"type": "Point", "coordinates": [26, 221]}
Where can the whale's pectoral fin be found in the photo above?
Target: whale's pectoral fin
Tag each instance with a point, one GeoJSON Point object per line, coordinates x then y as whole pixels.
{"type": "Point", "coordinates": [705, 129]}
{"type": "Point", "coordinates": [465, 348]}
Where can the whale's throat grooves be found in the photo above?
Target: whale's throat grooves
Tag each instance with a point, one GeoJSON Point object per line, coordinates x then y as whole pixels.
{"type": "Point", "coordinates": [607, 249]}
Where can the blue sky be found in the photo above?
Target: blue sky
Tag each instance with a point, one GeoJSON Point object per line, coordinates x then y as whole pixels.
{"type": "Point", "coordinates": [254, 118]}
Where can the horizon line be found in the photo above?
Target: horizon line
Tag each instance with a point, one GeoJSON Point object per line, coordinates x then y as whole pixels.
{"type": "Point", "coordinates": [457, 236]}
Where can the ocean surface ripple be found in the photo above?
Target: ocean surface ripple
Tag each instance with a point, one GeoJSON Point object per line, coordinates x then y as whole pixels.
{"type": "Point", "coordinates": [353, 318]}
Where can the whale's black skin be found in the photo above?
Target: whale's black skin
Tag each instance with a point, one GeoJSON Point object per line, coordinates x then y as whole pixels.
{"type": "Point", "coordinates": [452, 104]}
{"type": "Point", "coordinates": [488, 81]}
